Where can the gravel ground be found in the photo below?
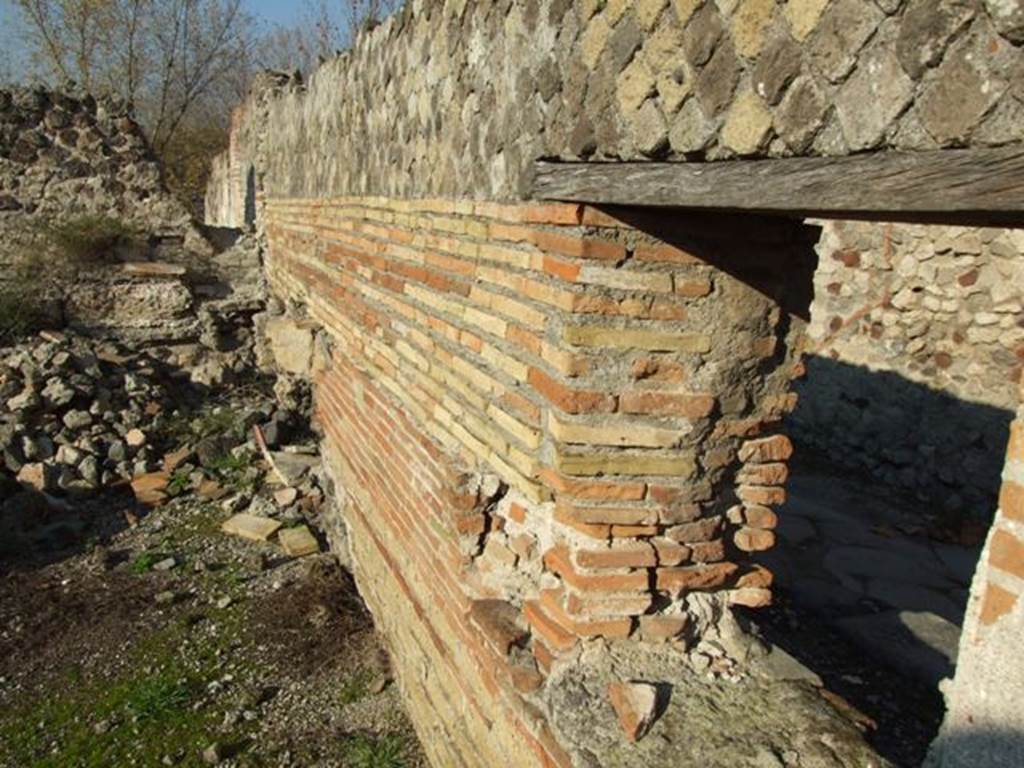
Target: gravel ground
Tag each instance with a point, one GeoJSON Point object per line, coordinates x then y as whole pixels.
{"type": "Point", "coordinates": [171, 643]}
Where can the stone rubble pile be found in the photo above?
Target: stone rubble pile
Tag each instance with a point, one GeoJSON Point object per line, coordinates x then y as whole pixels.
{"type": "Point", "coordinates": [78, 416]}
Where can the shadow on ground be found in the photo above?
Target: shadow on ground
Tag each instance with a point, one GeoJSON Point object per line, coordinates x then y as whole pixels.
{"type": "Point", "coordinates": [872, 582]}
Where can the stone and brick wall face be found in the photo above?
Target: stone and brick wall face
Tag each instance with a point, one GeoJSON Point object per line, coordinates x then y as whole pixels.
{"type": "Point", "coordinates": [917, 346]}
{"type": "Point", "coordinates": [551, 423]}
{"type": "Point", "coordinates": [459, 98]}
{"type": "Point", "coordinates": [548, 423]}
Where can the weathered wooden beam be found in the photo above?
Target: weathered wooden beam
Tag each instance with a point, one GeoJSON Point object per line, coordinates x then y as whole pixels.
{"type": "Point", "coordinates": [954, 184]}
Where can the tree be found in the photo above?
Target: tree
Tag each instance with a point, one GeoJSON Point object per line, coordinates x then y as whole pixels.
{"type": "Point", "coordinates": [165, 57]}
{"type": "Point", "coordinates": [323, 28]}
{"type": "Point", "coordinates": [361, 14]}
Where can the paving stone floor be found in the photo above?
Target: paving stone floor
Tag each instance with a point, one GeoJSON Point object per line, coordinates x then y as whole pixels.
{"type": "Point", "coordinates": [861, 558]}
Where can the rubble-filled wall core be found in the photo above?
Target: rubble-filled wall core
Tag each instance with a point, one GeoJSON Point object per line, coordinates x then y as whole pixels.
{"type": "Point", "coordinates": [916, 349]}
{"type": "Point", "coordinates": [76, 170]}
{"type": "Point", "coordinates": [64, 154]}
{"type": "Point", "coordinates": [553, 427]}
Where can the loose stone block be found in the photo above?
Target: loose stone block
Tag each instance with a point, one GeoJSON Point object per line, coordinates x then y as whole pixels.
{"type": "Point", "coordinates": [251, 527]}
{"type": "Point", "coordinates": [296, 542]}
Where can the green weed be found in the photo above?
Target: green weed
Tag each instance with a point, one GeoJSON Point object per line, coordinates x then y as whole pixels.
{"type": "Point", "coordinates": [384, 751]}
{"type": "Point", "coordinates": [179, 483]}
{"type": "Point", "coordinates": [157, 697]}
{"type": "Point", "coordinates": [144, 562]}
{"type": "Point", "coordinates": [355, 687]}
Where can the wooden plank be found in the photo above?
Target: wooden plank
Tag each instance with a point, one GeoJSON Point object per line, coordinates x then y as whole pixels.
{"type": "Point", "coordinates": [970, 183]}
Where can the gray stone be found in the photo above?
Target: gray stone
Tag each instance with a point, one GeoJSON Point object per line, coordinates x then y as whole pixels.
{"type": "Point", "coordinates": [37, 448]}
{"type": "Point", "coordinates": [879, 82]}
{"type": "Point", "coordinates": [1003, 124]}
{"type": "Point", "coordinates": [648, 129]}
{"type": "Point", "coordinates": [925, 29]}
{"type": "Point", "coordinates": [89, 469]}
{"type": "Point", "coordinates": [959, 92]}
{"type": "Point", "coordinates": [701, 35]}
{"type": "Point", "coordinates": [57, 393]}
{"type": "Point", "coordinates": [625, 39]}
{"type": "Point", "coordinates": [294, 466]}
{"type": "Point", "coordinates": [777, 66]}
{"type": "Point", "coordinates": [1008, 18]}
{"type": "Point", "coordinates": [691, 130]}
{"type": "Point", "coordinates": [717, 80]}
{"type": "Point", "coordinates": [76, 420]}
{"type": "Point", "coordinates": [800, 114]}
{"type": "Point", "coordinates": [842, 31]}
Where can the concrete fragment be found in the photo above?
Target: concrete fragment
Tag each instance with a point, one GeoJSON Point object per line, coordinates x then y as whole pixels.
{"type": "Point", "coordinates": [291, 342]}
{"type": "Point", "coordinates": [153, 269]}
{"type": "Point", "coordinates": [286, 497]}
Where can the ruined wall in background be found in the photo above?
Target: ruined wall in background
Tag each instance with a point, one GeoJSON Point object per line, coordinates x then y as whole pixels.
{"type": "Point", "coordinates": [917, 342]}
{"type": "Point", "coordinates": [90, 233]}
{"type": "Point", "coordinates": [553, 427]}
{"type": "Point", "coordinates": [70, 154]}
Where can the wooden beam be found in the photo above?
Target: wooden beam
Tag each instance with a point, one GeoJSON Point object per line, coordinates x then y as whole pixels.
{"type": "Point", "coordinates": [951, 184]}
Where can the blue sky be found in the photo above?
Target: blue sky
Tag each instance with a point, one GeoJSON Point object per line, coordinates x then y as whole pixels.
{"type": "Point", "coordinates": [271, 11]}
{"type": "Point", "coordinates": [275, 10]}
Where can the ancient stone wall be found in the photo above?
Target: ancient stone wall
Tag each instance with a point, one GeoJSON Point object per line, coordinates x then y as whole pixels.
{"type": "Point", "coordinates": [547, 424]}
{"type": "Point", "coordinates": [69, 154]}
{"type": "Point", "coordinates": [917, 345]}
{"type": "Point", "coordinates": [87, 226]}
{"type": "Point", "coordinates": [554, 427]}
{"type": "Point", "coordinates": [459, 98]}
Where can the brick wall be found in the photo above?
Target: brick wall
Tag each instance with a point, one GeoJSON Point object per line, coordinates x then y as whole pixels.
{"type": "Point", "coordinates": [984, 722]}
{"type": "Point", "coordinates": [547, 423]}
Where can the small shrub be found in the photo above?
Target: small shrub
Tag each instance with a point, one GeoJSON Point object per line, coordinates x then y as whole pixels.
{"type": "Point", "coordinates": [180, 482]}
{"type": "Point", "coordinates": [384, 751]}
{"type": "Point", "coordinates": [90, 239]}
{"type": "Point", "coordinates": [155, 698]}
{"type": "Point", "coordinates": [21, 311]}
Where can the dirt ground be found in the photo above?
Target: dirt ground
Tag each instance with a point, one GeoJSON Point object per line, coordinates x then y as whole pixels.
{"type": "Point", "coordinates": [171, 643]}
